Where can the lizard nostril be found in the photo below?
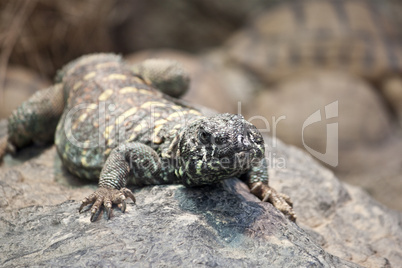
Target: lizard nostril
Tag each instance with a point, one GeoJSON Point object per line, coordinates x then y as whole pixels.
{"type": "Point", "coordinates": [243, 141]}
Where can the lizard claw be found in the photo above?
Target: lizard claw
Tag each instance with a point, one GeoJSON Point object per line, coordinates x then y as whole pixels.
{"type": "Point", "coordinates": [122, 206]}
{"type": "Point", "coordinates": [268, 194]}
{"type": "Point", "coordinates": [108, 207]}
{"type": "Point", "coordinates": [94, 215]}
{"type": "Point", "coordinates": [106, 197]}
{"type": "Point", "coordinates": [128, 193]}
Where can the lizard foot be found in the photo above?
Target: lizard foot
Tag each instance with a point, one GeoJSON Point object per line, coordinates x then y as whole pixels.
{"type": "Point", "coordinates": [107, 197]}
{"type": "Point", "coordinates": [281, 201]}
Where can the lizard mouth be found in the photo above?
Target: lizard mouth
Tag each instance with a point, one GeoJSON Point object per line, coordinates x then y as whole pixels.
{"type": "Point", "coordinates": [242, 156]}
{"type": "Point", "coordinates": [248, 156]}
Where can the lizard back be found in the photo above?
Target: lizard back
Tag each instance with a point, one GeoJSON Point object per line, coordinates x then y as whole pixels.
{"type": "Point", "coordinates": [106, 105]}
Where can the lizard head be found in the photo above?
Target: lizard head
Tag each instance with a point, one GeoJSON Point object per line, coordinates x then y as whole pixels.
{"type": "Point", "coordinates": [218, 147]}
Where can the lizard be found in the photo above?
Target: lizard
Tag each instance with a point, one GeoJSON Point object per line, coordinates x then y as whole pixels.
{"type": "Point", "coordinates": [111, 122]}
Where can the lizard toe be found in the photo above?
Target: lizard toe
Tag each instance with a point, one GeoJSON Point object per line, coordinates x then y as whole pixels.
{"type": "Point", "coordinates": [282, 204]}
{"type": "Point", "coordinates": [280, 201]}
{"type": "Point", "coordinates": [127, 193]}
{"type": "Point", "coordinates": [106, 197]}
{"type": "Point", "coordinates": [95, 208]}
{"type": "Point", "coordinates": [108, 207]}
{"type": "Point", "coordinates": [86, 201]}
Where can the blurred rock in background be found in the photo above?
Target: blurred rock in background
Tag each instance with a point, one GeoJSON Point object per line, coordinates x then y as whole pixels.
{"type": "Point", "coordinates": [186, 25]}
{"type": "Point", "coordinates": [206, 87]}
{"type": "Point", "coordinates": [19, 84]}
{"type": "Point", "coordinates": [260, 58]}
{"type": "Point", "coordinates": [363, 118]}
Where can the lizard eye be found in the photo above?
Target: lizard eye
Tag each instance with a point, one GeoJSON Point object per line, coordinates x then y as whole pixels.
{"type": "Point", "coordinates": [204, 137]}
{"type": "Point", "coordinates": [254, 136]}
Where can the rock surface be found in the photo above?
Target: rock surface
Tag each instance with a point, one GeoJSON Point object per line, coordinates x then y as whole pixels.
{"type": "Point", "coordinates": [171, 226]}
{"type": "Point", "coordinates": [338, 225]}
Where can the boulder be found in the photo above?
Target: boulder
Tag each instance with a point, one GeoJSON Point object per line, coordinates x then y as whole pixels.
{"type": "Point", "coordinates": [222, 225]}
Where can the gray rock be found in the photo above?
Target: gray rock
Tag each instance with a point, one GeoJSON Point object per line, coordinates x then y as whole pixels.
{"type": "Point", "coordinates": [171, 226]}
{"type": "Point", "coordinates": [345, 220]}
{"type": "Point", "coordinates": [222, 225]}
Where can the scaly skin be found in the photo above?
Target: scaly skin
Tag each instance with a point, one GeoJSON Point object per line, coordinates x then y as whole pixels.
{"type": "Point", "coordinates": [117, 128]}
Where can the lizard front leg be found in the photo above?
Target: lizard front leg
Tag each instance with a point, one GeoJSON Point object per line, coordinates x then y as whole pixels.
{"type": "Point", "coordinates": [128, 160]}
{"type": "Point", "coordinates": [35, 120]}
{"type": "Point", "coordinates": [257, 180]}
